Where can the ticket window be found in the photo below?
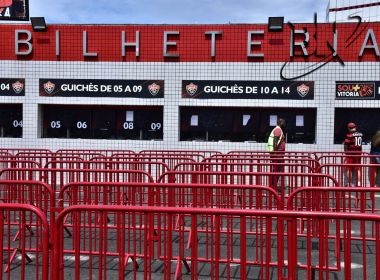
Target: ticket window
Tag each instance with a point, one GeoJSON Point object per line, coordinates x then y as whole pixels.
{"type": "Point", "coordinates": [103, 123]}
{"type": "Point", "coordinates": [140, 123]}
{"type": "Point", "coordinates": [245, 125]}
{"type": "Point", "coordinates": [80, 123]}
{"type": "Point", "coordinates": [303, 129]}
{"type": "Point", "coordinates": [190, 121]}
{"type": "Point", "coordinates": [66, 122]}
{"type": "Point", "coordinates": [300, 124]}
{"type": "Point", "coordinates": [55, 122]}
{"type": "Point", "coordinates": [268, 120]}
{"type": "Point", "coordinates": [362, 117]}
{"type": "Point", "coordinates": [11, 122]}
{"type": "Point", "coordinates": [151, 123]}
{"type": "Point", "coordinates": [93, 122]}
{"type": "Point", "coordinates": [206, 124]}
{"type": "Point", "coordinates": [219, 124]}
{"type": "Point", "coordinates": [127, 124]}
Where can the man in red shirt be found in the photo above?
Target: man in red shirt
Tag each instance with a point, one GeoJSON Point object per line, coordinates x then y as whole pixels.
{"type": "Point", "coordinates": [353, 149]}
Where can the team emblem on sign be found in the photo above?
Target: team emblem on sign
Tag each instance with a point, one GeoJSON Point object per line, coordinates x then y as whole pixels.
{"type": "Point", "coordinates": [17, 87]}
{"type": "Point", "coordinates": [49, 87]}
{"type": "Point", "coordinates": [154, 89]}
{"type": "Point", "coordinates": [303, 90]}
{"type": "Point", "coordinates": [191, 89]}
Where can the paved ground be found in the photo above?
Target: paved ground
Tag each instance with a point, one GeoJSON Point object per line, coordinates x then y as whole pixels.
{"type": "Point", "coordinates": [90, 266]}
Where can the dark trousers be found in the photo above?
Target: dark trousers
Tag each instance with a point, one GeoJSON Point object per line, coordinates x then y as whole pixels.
{"type": "Point", "coordinates": [277, 160]}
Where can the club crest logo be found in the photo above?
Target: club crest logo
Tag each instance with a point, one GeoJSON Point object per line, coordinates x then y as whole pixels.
{"type": "Point", "coordinates": [191, 89]}
{"type": "Point", "coordinates": [17, 87]}
{"type": "Point", "coordinates": [154, 89]}
{"type": "Point", "coordinates": [303, 90]}
{"type": "Point", "coordinates": [367, 90]}
{"type": "Point", "coordinates": [49, 87]}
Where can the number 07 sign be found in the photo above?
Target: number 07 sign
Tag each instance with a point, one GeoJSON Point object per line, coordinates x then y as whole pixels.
{"type": "Point", "coordinates": [14, 10]}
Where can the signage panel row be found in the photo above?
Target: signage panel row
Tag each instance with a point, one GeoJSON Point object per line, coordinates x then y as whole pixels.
{"type": "Point", "coordinates": [195, 89]}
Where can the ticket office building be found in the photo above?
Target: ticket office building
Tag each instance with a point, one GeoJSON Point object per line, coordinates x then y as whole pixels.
{"type": "Point", "coordinates": [178, 96]}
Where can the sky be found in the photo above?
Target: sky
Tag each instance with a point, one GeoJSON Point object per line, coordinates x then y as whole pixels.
{"type": "Point", "coordinates": [175, 11]}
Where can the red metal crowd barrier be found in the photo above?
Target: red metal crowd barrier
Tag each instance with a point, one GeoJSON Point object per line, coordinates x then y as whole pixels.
{"type": "Point", "coordinates": [14, 151]}
{"type": "Point", "coordinates": [16, 163]}
{"type": "Point", "coordinates": [300, 154]}
{"type": "Point", "coordinates": [352, 174]}
{"type": "Point", "coordinates": [181, 195]}
{"type": "Point", "coordinates": [170, 161]}
{"type": "Point", "coordinates": [259, 166]}
{"type": "Point", "coordinates": [341, 158]}
{"type": "Point", "coordinates": [36, 193]}
{"type": "Point", "coordinates": [203, 153]}
{"type": "Point", "coordinates": [236, 159]}
{"type": "Point", "coordinates": [30, 192]}
{"type": "Point", "coordinates": [154, 168]}
{"type": "Point", "coordinates": [340, 200]}
{"type": "Point", "coordinates": [282, 182]}
{"type": "Point", "coordinates": [57, 177]}
{"type": "Point", "coordinates": [219, 242]}
{"type": "Point", "coordinates": [335, 199]}
{"type": "Point", "coordinates": [42, 159]}
{"type": "Point", "coordinates": [320, 154]}
{"type": "Point", "coordinates": [87, 154]}
{"type": "Point", "coordinates": [27, 256]}
{"type": "Point", "coordinates": [5, 155]}
{"type": "Point", "coordinates": [193, 156]}
{"type": "Point", "coordinates": [175, 195]}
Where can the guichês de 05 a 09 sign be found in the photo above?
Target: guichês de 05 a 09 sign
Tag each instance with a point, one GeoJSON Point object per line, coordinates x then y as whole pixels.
{"type": "Point", "coordinates": [101, 88]}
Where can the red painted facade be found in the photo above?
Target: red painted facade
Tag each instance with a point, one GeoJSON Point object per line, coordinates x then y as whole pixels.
{"type": "Point", "coordinates": [192, 44]}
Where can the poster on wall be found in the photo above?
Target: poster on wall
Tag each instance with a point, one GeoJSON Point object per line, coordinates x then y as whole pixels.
{"type": "Point", "coordinates": [102, 88]}
{"type": "Point", "coordinates": [14, 10]}
{"type": "Point", "coordinates": [12, 87]}
{"type": "Point", "coordinates": [206, 89]}
{"type": "Point", "coordinates": [357, 90]}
